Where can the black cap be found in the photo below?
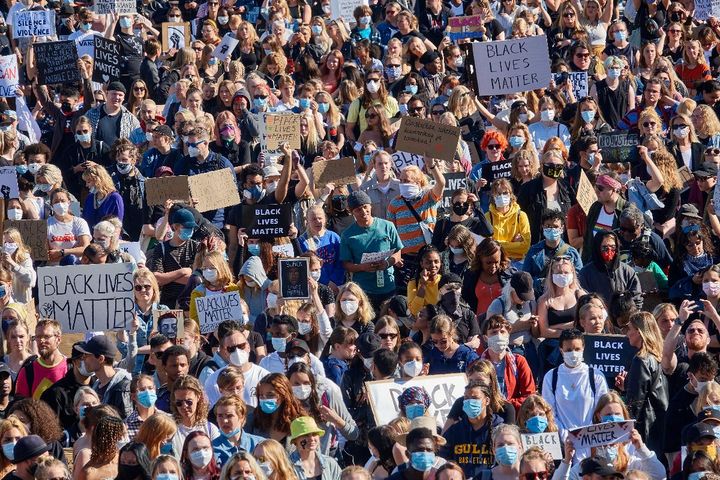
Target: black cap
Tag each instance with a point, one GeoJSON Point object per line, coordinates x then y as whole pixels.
{"type": "Point", "coordinates": [708, 414]}
{"type": "Point", "coordinates": [449, 278]}
{"type": "Point", "coordinates": [522, 283]}
{"type": "Point", "coordinates": [29, 447]}
{"type": "Point", "coordinates": [707, 169]}
{"type": "Point", "coordinates": [357, 199]}
{"type": "Point", "coordinates": [368, 344]}
{"type": "Point", "coordinates": [76, 353]}
{"type": "Point", "coordinates": [5, 369]}
{"type": "Point", "coordinates": [689, 210]}
{"type": "Point", "coordinates": [429, 57]}
{"type": "Point", "coordinates": [597, 466]}
{"type": "Point", "coordinates": [694, 433]}
{"type": "Point", "coordinates": [297, 343]}
{"type": "Point", "coordinates": [67, 10]}
{"type": "Point", "coordinates": [99, 345]}
{"type": "Point", "coordinates": [116, 87]}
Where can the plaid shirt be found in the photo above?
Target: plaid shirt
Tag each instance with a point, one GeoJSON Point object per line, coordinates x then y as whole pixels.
{"type": "Point", "coordinates": [134, 422]}
{"type": "Point", "coordinates": [375, 37]}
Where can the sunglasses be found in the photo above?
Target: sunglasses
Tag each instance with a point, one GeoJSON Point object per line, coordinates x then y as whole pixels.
{"type": "Point", "coordinates": [712, 151]}
{"type": "Point", "coordinates": [647, 124]}
{"type": "Point", "coordinates": [159, 355]}
{"type": "Point", "coordinates": [187, 403]}
{"type": "Point", "coordinates": [674, 31]}
{"type": "Point", "coordinates": [438, 112]}
{"type": "Point", "coordinates": [371, 115]}
{"type": "Point", "coordinates": [140, 288]}
{"type": "Point", "coordinates": [195, 144]}
{"type": "Point", "coordinates": [535, 476]}
{"type": "Point", "coordinates": [493, 146]}
{"type": "Point", "coordinates": [680, 125]}
{"type": "Point", "coordinates": [262, 97]}
{"type": "Point", "coordinates": [582, 55]}
{"type": "Point", "coordinates": [416, 109]}
{"type": "Point", "coordinates": [608, 248]}
{"type": "Point", "coordinates": [388, 336]}
{"type": "Point", "coordinates": [139, 89]}
{"type": "Point", "coordinates": [232, 349]}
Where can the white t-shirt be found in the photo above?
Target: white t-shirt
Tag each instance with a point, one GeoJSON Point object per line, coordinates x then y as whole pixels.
{"type": "Point", "coordinates": [84, 41]}
{"type": "Point", "coordinates": [66, 235]}
{"type": "Point", "coordinates": [541, 133]}
{"type": "Point", "coordinates": [252, 378]}
{"type": "Point", "coordinates": [604, 222]}
{"type": "Point", "coordinates": [274, 364]}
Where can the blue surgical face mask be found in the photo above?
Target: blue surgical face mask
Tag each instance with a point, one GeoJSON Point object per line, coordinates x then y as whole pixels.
{"type": "Point", "coordinates": [279, 344]}
{"type": "Point", "coordinates": [537, 424]}
{"type": "Point", "coordinates": [259, 102]}
{"type": "Point", "coordinates": [254, 249]}
{"type": "Point", "coordinates": [21, 169]}
{"type": "Point", "coordinates": [609, 452]}
{"type": "Point", "coordinates": [506, 455]}
{"type": "Point", "coordinates": [620, 36]}
{"type": "Point", "coordinates": [304, 103]}
{"type": "Point", "coordinates": [516, 141]}
{"type": "Point", "coordinates": [422, 461]}
{"type": "Point", "coordinates": [9, 450]}
{"type": "Point", "coordinates": [393, 72]}
{"type": "Point", "coordinates": [185, 234]}
{"type": "Point", "coordinates": [591, 159]}
{"type": "Point", "coordinates": [411, 89]}
{"type": "Point", "coordinates": [269, 405]}
{"type": "Point", "coordinates": [614, 72]}
{"type": "Point", "coordinates": [166, 476]}
{"type": "Point", "coordinates": [697, 475]}
{"type": "Point", "coordinates": [147, 398]}
{"type": "Point", "coordinates": [613, 418]}
{"type": "Point", "coordinates": [414, 410]}
{"type": "Point", "coordinates": [552, 234]}
{"type": "Point", "coordinates": [588, 115]}
{"type": "Point", "coordinates": [231, 434]}
{"type": "Point", "coordinates": [323, 107]}
{"type": "Point", "coordinates": [85, 26]}
{"type": "Point", "coordinates": [83, 137]}
{"type": "Point", "coordinates": [472, 407]}
{"type": "Point", "coordinates": [316, 29]}
{"type": "Point", "coordinates": [125, 22]}
{"type": "Point", "coordinates": [166, 448]}
{"type": "Point", "coordinates": [81, 411]}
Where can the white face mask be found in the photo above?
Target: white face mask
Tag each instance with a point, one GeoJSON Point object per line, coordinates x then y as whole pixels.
{"type": "Point", "coordinates": [409, 190]}
{"type": "Point", "coordinates": [10, 248]}
{"type": "Point", "coordinates": [573, 359]}
{"type": "Point", "coordinates": [498, 343]}
{"type": "Point", "coordinates": [239, 357]}
{"type": "Point", "coordinates": [14, 213]}
{"type": "Point", "coordinates": [562, 279]}
{"type": "Point", "coordinates": [271, 300]}
{"type": "Point", "coordinates": [502, 201]}
{"type": "Point", "coordinates": [349, 307]}
{"type": "Point", "coordinates": [373, 86]}
{"type": "Point", "coordinates": [210, 274]}
{"type": "Point", "coordinates": [547, 115]}
{"type": "Point", "coordinates": [61, 208]}
{"type": "Point", "coordinates": [302, 392]}
{"type": "Point", "coordinates": [315, 275]}
{"type": "Point", "coordinates": [413, 368]}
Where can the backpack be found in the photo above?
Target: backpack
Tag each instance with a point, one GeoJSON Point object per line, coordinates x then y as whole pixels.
{"type": "Point", "coordinates": [28, 366]}
{"type": "Point", "coordinates": [591, 374]}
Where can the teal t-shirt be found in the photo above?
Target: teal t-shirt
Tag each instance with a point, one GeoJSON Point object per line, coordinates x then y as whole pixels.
{"type": "Point", "coordinates": [380, 236]}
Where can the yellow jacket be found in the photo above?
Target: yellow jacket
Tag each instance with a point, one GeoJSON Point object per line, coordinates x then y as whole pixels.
{"type": "Point", "coordinates": [506, 226]}
{"type": "Point", "coordinates": [200, 292]}
{"type": "Point", "coordinates": [415, 303]}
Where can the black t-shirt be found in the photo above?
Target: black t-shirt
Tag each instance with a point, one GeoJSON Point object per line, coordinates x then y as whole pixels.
{"type": "Point", "coordinates": [166, 258]}
{"type": "Point", "coordinates": [108, 128]}
{"type": "Point", "coordinates": [132, 49]}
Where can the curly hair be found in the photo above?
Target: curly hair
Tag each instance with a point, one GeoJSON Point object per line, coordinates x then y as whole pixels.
{"type": "Point", "coordinates": [108, 432]}
{"type": "Point", "coordinates": [530, 403]}
{"type": "Point", "coordinates": [289, 410]}
{"type": "Point", "coordinates": [43, 421]}
{"type": "Point", "coordinates": [191, 383]}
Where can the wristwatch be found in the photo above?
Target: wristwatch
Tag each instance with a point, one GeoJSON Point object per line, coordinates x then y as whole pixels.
{"type": "Point", "coordinates": [678, 322]}
{"type": "Point", "coordinates": [62, 252]}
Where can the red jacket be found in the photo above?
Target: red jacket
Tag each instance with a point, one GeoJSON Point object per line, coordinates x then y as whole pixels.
{"type": "Point", "coordinates": [519, 381]}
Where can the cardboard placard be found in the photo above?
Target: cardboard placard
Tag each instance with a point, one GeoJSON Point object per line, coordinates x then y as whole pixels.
{"type": "Point", "coordinates": [600, 434]}
{"type": "Point", "coordinates": [267, 221]}
{"type": "Point", "coordinates": [579, 84]}
{"type": "Point", "coordinates": [160, 189]}
{"type": "Point", "coordinates": [293, 274]}
{"type": "Point", "coordinates": [215, 309]}
{"type": "Point", "coordinates": [616, 146]}
{"type": "Point", "coordinates": [34, 234]}
{"type": "Point", "coordinates": [8, 183]}
{"type": "Point", "coordinates": [56, 62]}
{"type": "Point", "coordinates": [226, 47]}
{"type": "Point", "coordinates": [511, 66]}
{"type": "Point", "coordinates": [8, 76]}
{"type": "Point", "coordinates": [120, 7]}
{"type": "Point", "coordinates": [108, 60]}
{"type": "Point", "coordinates": [337, 172]}
{"type": "Point", "coordinates": [277, 128]}
{"type": "Point", "coordinates": [443, 390]}
{"type": "Point", "coordinates": [586, 195]}
{"type": "Point", "coordinates": [548, 442]}
{"type": "Point", "coordinates": [34, 23]}
{"type": "Point", "coordinates": [465, 27]}
{"type": "Point", "coordinates": [453, 181]}
{"type": "Point", "coordinates": [402, 160]}
{"type": "Point", "coordinates": [169, 323]}
{"type": "Point", "coordinates": [211, 190]}
{"type": "Point", "coordinates": [344, 9]}
{"type": "Point", "coordinates": [175, 35]}
{"type": "Point", "coordinates": [685, 175]}
{"type": "Point", "coordinates": [609, 354]}
{"type": "Point", "coordinates": [427, 138]}
{"type": "Point", "coordinates": [372, 257]}
{"type": "Point", "coordinates": [87, 297]}
{"type": "Point", "coordinates": [495, 170]}
{"type": "Point", "coordinates": [705, 9]}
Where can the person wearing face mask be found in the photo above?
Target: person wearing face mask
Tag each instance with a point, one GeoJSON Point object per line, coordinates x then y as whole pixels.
{"type": "Point", "coordinates": [133, 462]}
{"type": "Point", "coordinates": [67, 234]}
{"type": "Point", "coordinates": [383, 187]}
{"type": "Point", "coordinates": [508, 449]}
{"type": "Point", "coordinates": [376, 93]}
{"type": "Point", "coordinates": [283, 330]}
{"type": "Point", "coordinates": [228, 141]}
{"type": "Point", "coordinates": [231, 414]}
{"type": "Point", "coordinates": [217, 279]}
{"type": "Point", "coordinates": [28, 451]}
{"type": "Point", "coordinates": [614, 94]}
{"type": "Point", "coordinates": [619, 44]}
{"type": "Point", "coordinates": [130, 184]}
{"type": "Point", "coordinates": [16, 259]}
{"type": "Point", "coordinates": [423, 446]}
{"type": "Point", "coordinates": [326, 247]}
{"type": "Point", "coordinates": [197, 458]}
{"type": "Point", "coordinates": [604, 214]}
{"type": "Point", "coordinates": [463, 204]}
{"type": "Point", "coordinates": [510, 225]}
{"type": "Point", "coordinates": [685, 146]}
{"type": "Point", "coordinates": [548, 126]}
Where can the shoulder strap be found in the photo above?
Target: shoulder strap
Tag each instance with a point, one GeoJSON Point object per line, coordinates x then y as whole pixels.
{"type": "Point", "coordinates": [412, 210]}
{"type": "Point", "coordinates": [553, 385]}
{"type": "Point", "coordinates": [591, 377]}
{"type": "Point", "coordinates": [29, 367]}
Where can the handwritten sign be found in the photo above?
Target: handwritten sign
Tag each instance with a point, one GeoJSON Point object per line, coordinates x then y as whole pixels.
{"type": "Point", "coordinates": [56, 62]}
{"type": "Point", "coordinates": [453, 181]}
{"type": "Point", "coordinates": [215, 309]}
{"type": "Point", "coordinates": [134, 250]}
{"type": "Point", "coordinates": [616, 146]}
{"type": "Point", "coordinates": [34, 23]}
{"type": "Point", "coordinates": [705, 9]}
{"type": "Point", "coordinates": [427, 138]}
{"type": "Point", "coordinates": [343, 9]}
{"type": "Point", "coordinates": [495, 170]}
{"type": "Point", "coordinates": [511, 66]}
{"type": "Point", "coordinates": [211, 190]}
{"type": "Point", "coordinates": [579, 82]}
{"type": "Point", "coordinates": [159, 189]}
{"type": "Point", "coordinates": [547, 441]}
{"type": "Point", "coordinates": [465, 27]}
{"type": "Point", "coordinates": [402, 160]}
{"type": "Point", "coordinates": [120, 7]}
{"type": "Point", "coordinates": [609, 354]}
{"type": "Point", "coordinates": [600, 434]}
{"type": "Point", "coordinates": [8, 183]}
{"type": "Point", "coordinates": [175, 35]}
{"type": "Point", "coordinates": [267, 221]}
{"type": "Point", "coordinates": [443, 390]}
{"type": "Point", "coordinates": [87, 297]}
{"type": "Point", "coordinates": [226, 47]}
{"type": "Point", "coordinates": [34, 234]}
{"type": "Point", "coordinates": [277, 128]}
{"type": "Point", "coordinates": [337, 172]}
{"type": "Point", "coordinates": [107, 60]}
{"type": "Point", "coordinates": [8, 76]}
{"type": "Point", "coordinates": [293, 275]}
{"type": "Point", "coordinates": [586, 195]}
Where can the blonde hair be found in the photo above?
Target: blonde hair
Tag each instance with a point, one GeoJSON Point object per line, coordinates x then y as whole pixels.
{"type": "Point", "coordinates": [103, 182]}
{"type": "Point", "coordinates": [531, 157]}
{"type": "Point", "coordinates": [413, 173]}
{"type": "Point", "coordinates": [530, 403]}
{"type": "Point", "coordinates": [154, 431]}
{"type": "Point", "coordinates": [649, 331]}
{"type": "Point", "coordinates": [217, 260]}
{"type": "Point", "coordinates": [51, 173]}
{"type": "Point", "coordinates": [144, 273]}
{"type": "Point", "coordinates": [710, 124]}
{"type": "Point", "coordinates": [8, 424]}
{"type": "Point", "coordinates": [23, 252]}
{"type": "Point", "coordinates": [241, 456]}
{"type": "Point", "coordinates": [365, 312]}
{"type": "Point", "coordinates": [275, 454]}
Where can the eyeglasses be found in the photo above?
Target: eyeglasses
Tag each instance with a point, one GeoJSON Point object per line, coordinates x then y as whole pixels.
{"type": "Point", "coordinates": [648, 124]}
{"type": "Point", "coordinates": [608, 248]}
{"type": "Point", "coordinates": [44, 337]}
{"type": "Point", "coordinates": [681, 125]}
{"type": "Point", "coordinates": [232, 349]}
{"type": "Point", "coordinates": [139, 89]}
{"type": "Point", "coordinates": [535, 476]}
{"type": "Point", "coordinates": [674, 31]}
{"type": "Point", "coordinates": [438, 112]}
{"type": "Point", "coordinates": [493, 146]}
{"type": "Point", "coordinates": [195, 144]}
{"type": "Point", "coordinates": [416, 109]}
{"type": "Point", "coordinates": [569, 14]}
{"type": "Point", "coordinates": [140, 288]}
{"type": "Point", "coordinates": [583, 55]}
{"type": "Point", "coordinates": [187, 403]}
{"type": "Point", "coordinates": [388, 336]}
{"type": "Point", "coordinates": [261, 97]}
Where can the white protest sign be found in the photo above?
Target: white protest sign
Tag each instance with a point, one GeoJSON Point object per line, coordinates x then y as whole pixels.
{"type": "Point", "coordinates": [87, 297]}
{"type": "Point", "coordinates": [120, 7]}
{"type": "Point", "coordinates": [512, 66]}
{"type": "Point", "coordinates": [599, 434]}
{"type": "Point", "coordinates": [371, 257]}
{"type": "Point", "coordinates": [443, 390]}
{"type": "Point", "coordinates": [8, 183]}
{"type": "Point", "coordinates": [214, 309]}
{"type": "Point", "coordinates": [8, 75]}
{"type": "Point", "coordinates": [134, 250]}
{"type": "Point", "coordinates": [705, 9]}
{"type": "Point", "coordinates": [344, 9]}
{"type": "Point", "coordinates": [402, 160]}
{"type": "Point", "coordinates": [579, 84]}
{"type": "Point", "coordinates": [34, 23]}
{"type": "Point", "coordinates": [226, 47]}
{"type": "Point", "coordinates": [547, 441]}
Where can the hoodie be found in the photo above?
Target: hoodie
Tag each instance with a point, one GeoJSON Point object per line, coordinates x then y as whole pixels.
{"type": "Point", "coordinates": [607, 278]}
{"type": "Point", "coordinates": [117, 392]}
{"type": "Point", "coordinates": [255, 297]}
{"type": "Point", "coordinates": [506, 226]}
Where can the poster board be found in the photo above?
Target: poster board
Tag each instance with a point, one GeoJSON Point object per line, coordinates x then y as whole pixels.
{"type": "Point", "coordinates": [337, 172]}
{"type": "Point", "coordinates": [175, 35]}
{"type": "Point", "coordinates": [705, 9]}
{"type": "Point", "coordinates": [608, 354]}
{"type": "Point", "coordinates": [56, 62]}
{"type": "Point", "coordinates": [267, 221]}
{"type": "Point", "coordinates": [134, 250]}
{"type": "Point", "coordinates": [159, 189]}
{"type": "Point", "coordinates": [402, 160]}
{"type": "Point", "coordinates": [34, 23]}
{"type": "Point", "coordinates": [427, 138]}
{"type": "Point", "coordinates": [34, 234]}
{"type": "Point", "coordinates": [579, 81]}
{"type": "Point", "coordinates": [548, 442]}
{"type": "Point", "coordinates": [463, 27]}
{"type": "Point", "coordinates": [226, 47]}
{"type": "Point", "coordinates": [107, 61]}
{"type": "Point", "coordinates": [211, 190]}
{"type": "Point", "coordinates": [453, 181]}
{"type": "Point", "coordinates": [8, 76]}
{"type": "Point", "coordinates": [601, 434]}
{"type": "Point", "coordinates": [276, 128]}
{"type": "Point", "coordinates": [586, 195]}
{"type": "Point", "coordinates": [617, 146]}
{"type": "Point", "coordinates": [215, 309]}
{"type": "Point", "coordinates": [495, 170]}
{"type": "Point", "coordinates": [169, 323]}
{"type": "Point", "coordinates": [343, 9]}
{"type": "Point", "coordinates": [121, 7]}
{"type": "Point", "coordinates": [293, 275]}
{"type": "Point", "coordinates": [443, 390]}
{"type": "Point", "coordinates": [87, 297]}
{"type": "Point", "coordinates": [9, 183]}
{"type": "Point", "coordinates": [511, 66]}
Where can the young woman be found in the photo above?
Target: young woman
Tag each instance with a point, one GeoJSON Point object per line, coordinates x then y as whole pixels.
{"type": "Point", "coordinates": [11, 430]}
{"type": "Point", "coordinates": [137, 94]}
{"type": "Point", "coordinates": [197, 458]}
{"type": "Point", "coordinates": [307, 459]}
{"type": "Point", "coordinates": [144, 396]}
{"type": "Point", "coordinates": [487, 276]}
{"type": "Point", "coordinates": [685, 146]}
{"type": "Point", "coordinates": [588, 120]}
{"type": "Point", "coordinates": [326, 244]}
{"type": "Point", "coordinates": [156, 433]}
{"type": "Point", "coordinates": [508, 448]}
{"type": "Point", "coordinates": [339, 350]}
{"type": "Point", "coordinates": [104, 458]}
{"type": "Point", "coordinates": [273, 461]}
{"type": "Point", "coordinates": [277, 406]}
{"type": "Point", "coordinates": [423, 289]}
{"type": "Point", "coordinates": [592, 318]}
{"type": "Point", "coordinates": [536, 416]}
{"type": "Point", "coordinates": [619, 44]}
{"type": "Point", "coordinates": [548, 126]}
{"type": "Point", "coordinates": [510, 224]}
{"type": "Point", "coordinates": [242, 466]}
{"type": "Point", "coordinates": [217, 279]}
{"type": "Point", "coordinates": [189, 406]}
{"type": "Point", "coordinates": [461, 213]}
{"type": "Point", "coordinates": [410, 360]}
{"type": "Point", "coordinates": [378, 128]}
{"type": "Point", "coordinates": [707, 125]}
{"type": "Point", "coordinates": [166, 467]}
{"type": "Point", "coordinates": [694, 69]}
{"type": "Point", "coordinates": [353, 309]}
{"type": "Point", "coordinates": [104, 199]}
{"type": "Point", "coordinates": [67, 234]}
{"type": "Point", "coordinates": [18, 343]}
{"type": "Point", "coordinates": [134, 462]}
{"type": "Point", "coordinates": [448, 356]}
{"type": "Point", "coordinates": [229, 142]}
{"type": "Point", "coordinates": [614, 95]}
{"type": "Point", "coordinates": [460, 251]}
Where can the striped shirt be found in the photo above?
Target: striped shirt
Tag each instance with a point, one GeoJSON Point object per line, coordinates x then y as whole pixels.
{"type": "Point", "coordinates": [407, 226]}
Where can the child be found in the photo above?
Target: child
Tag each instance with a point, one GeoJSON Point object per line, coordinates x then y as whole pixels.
{"type": "Point", "coordinates": [642, 261]}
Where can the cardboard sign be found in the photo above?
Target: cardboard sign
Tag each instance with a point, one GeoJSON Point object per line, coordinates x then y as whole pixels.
{"type": "Point", "coordinates": [108, 60]}
{"type": "Point", "coordinates": [267, 221]}
{"type": "Point", "coordinates": [548, 442]}
{"type": "Point", "coordinates": [159, 189]}
{"type": "Point", "coordinates": [586, 195]}
{"type": "Point", "coordinates": [169, 323]}
{"type": "Point", "coordinates": [495, 170]}
{"type": "Point", "coordinates": [705, 9]}
{"type": "Point", "coordinates": [427, 138]}
{"type": "Point", "coordinates": [609, 354]}
{"type": "Point", "coordinates": [8, 183]}
{"type": "Point", "coordinates": [56, 62]}
{"type": "Point", "coordinates": [337, 172]}
{"type": "Point", "coordinates": [465, 27]}
{"type": "Point", "coordinates": [579, 84]}
{"type": "Point", "coordinates": [616, 146]}
{"type": "Point", "coordinates": [87, 297]}
{"type": "Point", "coordinates": [277, 128]}
{"type": "Point", "coordinates": [443, 390]}
{"type": "Point", "coordinates": [601, 434]}
{"type": "Point", "coordinates": [344, 9]}
{"type": "Point", "coordinates": [8, 76]}
{"type": "Point", "coordinates": [120, 7]}
{"type": "Point", "coordinates": [226, 47]}
{"type": "Point", "coordinates": [402, 160]}
{"type": "Point", "coordinates": [34, 234]}
{"type": "Point", "coordinates": [215, 309]}
{"type": "Point", "coordinates": [34, 23]}
{"type": "Point", "coordinates": [511, 66]}
{"type": "Point", "coordinates": [175, 35]}
{"type": "Point", "coordinates": [293, 275]}
{"type": "Point", "coordinates": [211, 190]}
{"type": "Point", "coordinates": [453, 181]}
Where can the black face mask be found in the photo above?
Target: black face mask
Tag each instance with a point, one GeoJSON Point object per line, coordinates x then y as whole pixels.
{"type": "Point", "coordinates": [66, 107]}
{"type": "Point", "coordinates": [460, 208]}
{"type": "Point", "coordinates": [129, 472]}
{"type": "Point", "coordinates": [339, 203]}
{"type": "Point", "coordinates": [3, 29]}
{"type": "Point", "coordinates": [450, 300]}
{"type": "Point", "coordinates": [552, 171]}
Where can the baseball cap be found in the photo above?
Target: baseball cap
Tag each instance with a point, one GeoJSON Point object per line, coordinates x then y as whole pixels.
{"type": "Point", "coordinates": [368, 344]}
{"type": "Point", "coordinates": [184, 217]}
{"type": "Point", "coordinates": [429, 57]}
{"type": "Point", "coordinates": [297, 343]}
{"type": "Point", "coordinates": [707, 169]}
{"type": "Point", "coordinates": [399, 305]}
{"type": "Point", "coordinates": [76, 353]}
{"type": "Point", "coordinates": [164, 171]}
{"type": "Point", "coordinates": [164, 130]}
{"type": "Point", "coordinates": [522, 283]}
{"type": "Point", "coordinates": [696, 432]}
{"type": "Point", "coordinates": [99, 345]}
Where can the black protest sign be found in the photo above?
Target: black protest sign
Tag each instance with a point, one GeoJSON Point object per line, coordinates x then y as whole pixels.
{"type": "Point", "coordinates": [267, 221]}
{"type": "Point", "coordinates": [453, 181]}
{"type": "Point", "coordinates": [495, 170]}
{"type": "Point", "coordinates": [56, 62]}
{"type": "Point", "coordinates": [293, 275]}
{"type": "Point", "coordinates": [617, 146]}
{"type": "Point", "coordinates": [609, 354]}
{"type": "Point", "coordinates": [108, 60]}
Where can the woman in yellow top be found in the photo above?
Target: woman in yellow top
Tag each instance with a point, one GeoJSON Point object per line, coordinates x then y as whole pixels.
{"type": "Point", "coordinates": [510, 225]}
{"type": "Point", "coordinates": [423, 289]}
{"type": "Point", "coordinates": [217, 279]}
